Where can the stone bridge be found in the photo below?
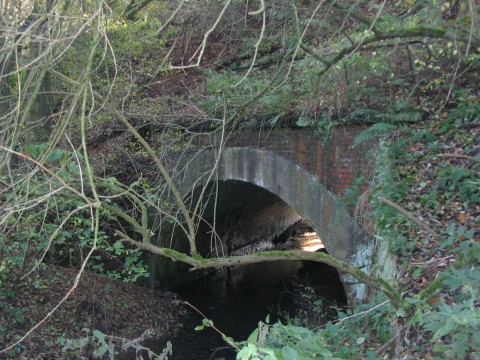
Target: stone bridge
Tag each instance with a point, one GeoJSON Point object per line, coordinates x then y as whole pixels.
{"type": "Point", "coordinates": [266, 181]}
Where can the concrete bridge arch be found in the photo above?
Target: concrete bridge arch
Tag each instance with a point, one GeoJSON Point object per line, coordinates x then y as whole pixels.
{"type": "Point", "coordinates": [300, 190]}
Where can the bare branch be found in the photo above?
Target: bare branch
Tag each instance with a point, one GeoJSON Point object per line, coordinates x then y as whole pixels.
{"type": "Point", "coordinates": [460, 156]}
{"type": "Point", "coordinates": [170, 18]}
{"type": "Point", "coordinates": [205, 39]}
{"type": "Point", "coordinates": [260, 38]}
{"type": "Point", "coordinates": [59, 179]}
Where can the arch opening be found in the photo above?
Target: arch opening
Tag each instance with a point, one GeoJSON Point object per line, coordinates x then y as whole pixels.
{"type": "Point", "coordinates": [246, 219]}
{"type": "Point", "coordinates": [300, 191]}
{"type": "Point", "coordinates": [240, 218]}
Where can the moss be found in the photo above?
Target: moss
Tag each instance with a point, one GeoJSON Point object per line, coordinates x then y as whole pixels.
{"type": "Point", "coordinates": [174, 254]}
{"type": "Point", "coordinates": [274, 254]}
{"type": "Point", "coordinates": [420, 31]}
{"type": "Point", "coordinates": [201, 259]}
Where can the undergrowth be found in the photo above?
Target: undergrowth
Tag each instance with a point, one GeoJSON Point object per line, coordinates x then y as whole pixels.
{"type": "Point", "coordinates": [431, 170]}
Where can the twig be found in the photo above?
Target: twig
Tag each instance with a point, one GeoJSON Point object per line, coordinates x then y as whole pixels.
{"type": "Point", "coordinates": [92, 205]}
{"type": "Point", "coordinates": [362, 313]}
{"type": "Point", "coordinates": [460, 156]}
{"type": "Point", "coordinates": [409, 215]}
{"type": "Point", "coordinates": [299, 43]}
{"type": "Point", "coordinates": [433, 260]}
{"type": "Point", "coordinates": [229, 342]}
{"type": "Point", "coordinates": [203, 45]}
{"type": "Point", "coordinates": [53, 236]}
{"type": "Point", "coordinates": [67, 295]}
{"type": "Point", "coordinates": [78, 163]}
{"type": "Point", "coordinates": [29, 204]}
{"type": "Point", "coordinates": [260, 38]}
{"type": "Point", "coordinates": [170, 18]}
{"type": "Point", "coordinates": [58, 178]}
{"type": "Point", "coordinates": [385, 346]}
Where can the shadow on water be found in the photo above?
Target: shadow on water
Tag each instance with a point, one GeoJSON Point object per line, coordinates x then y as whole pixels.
{"type": "Point", "coordinates": [237, 298]}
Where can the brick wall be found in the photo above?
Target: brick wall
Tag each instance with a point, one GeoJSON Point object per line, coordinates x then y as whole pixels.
{"type": "Point", "coordinates": [334, 160]}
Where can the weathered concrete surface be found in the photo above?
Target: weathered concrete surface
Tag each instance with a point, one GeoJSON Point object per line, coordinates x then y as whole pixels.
{"type": "Point", "coordinates": [302, 191]}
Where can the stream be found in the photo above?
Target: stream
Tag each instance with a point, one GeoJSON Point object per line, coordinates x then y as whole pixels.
{"type": "Point", "coordinates": [237, 298]}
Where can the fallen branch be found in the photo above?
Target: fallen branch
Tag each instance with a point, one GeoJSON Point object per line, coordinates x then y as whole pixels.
{"type": "Point", "coordinates": [198, 262]}
{"type": "Point", "coordinates": [409, 215]}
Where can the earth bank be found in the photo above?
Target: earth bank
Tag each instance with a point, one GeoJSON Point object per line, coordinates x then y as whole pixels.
{"type": "Point", "coordinates": [122, 311]}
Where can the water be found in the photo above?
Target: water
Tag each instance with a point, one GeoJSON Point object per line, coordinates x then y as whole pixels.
{"type": "Point", "coordinates": [236, 299]}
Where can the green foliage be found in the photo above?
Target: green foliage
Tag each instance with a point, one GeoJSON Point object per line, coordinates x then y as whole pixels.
{"type": "Point", "coordinates": [347, 338]}
{"type": "Point", "coordinates": [458, 183]}
{"type": "Point", "coordinates": [460, 322]}
{"type": "Point", "coordinates": [225, 88]}
{"type": "Point", "coordinates": [467, 109]}
{"type": "Point", "coordinates": [111, 258]}
{"type": "Point", "coordinates": [61, 229]}
{"type": "Point", "coordinates": [383, 122]}
{"type": "Point", "coordinates": [446, 311]}
{"type": "Point", "coordinates": [36, 151]}
{"type": "Point", "coordinates": [287, 342]}
{"type": "Point", "coordinates": [372, 132]}
{"type": "Point", "coordinates": [455, 325]}
{"type": "Point", "coordinates": [132, 39]}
